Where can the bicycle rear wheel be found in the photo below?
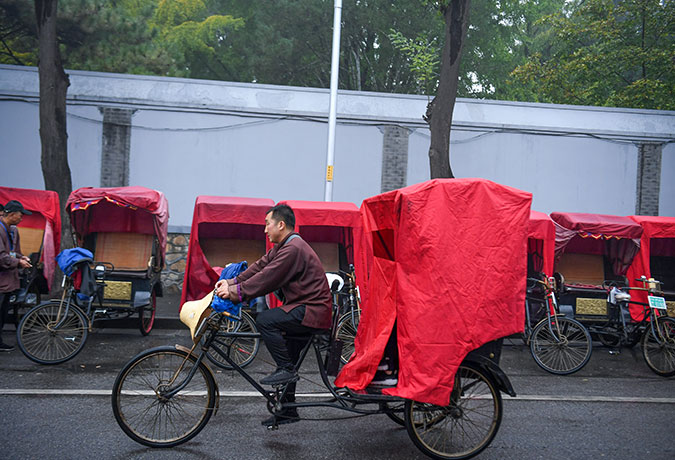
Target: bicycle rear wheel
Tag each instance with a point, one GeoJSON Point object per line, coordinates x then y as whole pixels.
{"type": "Point", "coordinates": [242, 350]}
{"type": "Point", "coordinates": [346, 331]}
{"type": "Point", "coordinates": [146, 315]}
{"type": "Point", "coordinates": [47, 337]}
{"type": "Point", "coordinates": [659, 352]}
{"type": "Point", "coordinates": [144, 408]}
{"type": "Point", "coordinates": [561, 346]}
{"type": "Point", "coordinates": [463, 428]}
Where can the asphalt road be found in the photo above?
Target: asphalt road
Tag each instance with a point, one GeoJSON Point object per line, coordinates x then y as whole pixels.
{"type": "Point", "coordinates": [613, 408]}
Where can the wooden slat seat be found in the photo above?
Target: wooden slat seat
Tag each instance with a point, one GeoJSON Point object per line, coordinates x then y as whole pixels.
{"type": "Point", "coordinates": [126, 251]}
{"type": "Point", "coordinates": [30, 239]}
{"type": "Point", "coordinates": [222, 251]}
{"type": "Point", "coordinates": [586, 269]}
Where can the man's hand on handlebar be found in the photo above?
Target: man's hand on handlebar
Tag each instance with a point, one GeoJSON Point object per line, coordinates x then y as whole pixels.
{"type": "Point", "coordinates": [223, 289]}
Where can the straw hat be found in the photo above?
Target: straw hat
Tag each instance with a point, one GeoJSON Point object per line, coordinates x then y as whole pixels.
{"type": "Point", "coordinates": [192, 313]}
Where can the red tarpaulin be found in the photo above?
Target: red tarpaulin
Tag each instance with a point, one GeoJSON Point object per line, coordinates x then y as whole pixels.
{"type": "Point", "coordinates": [242, 218]}
{"type": "Point", "coordinates": [616, 237]}
{"type": "Point", "coordinates": [657, 231]}
{"type": "Point", "coordinates": [44, 204]}
{"type": "Point", "coordinates": [108, 210]}
{"type": "Point", "coordinates": [541, 241]}
{"type": "Point", "coordinates": [447, 263]}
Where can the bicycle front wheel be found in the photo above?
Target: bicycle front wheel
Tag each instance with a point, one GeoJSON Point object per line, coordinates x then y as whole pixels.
{"type": "Point", "coordinates": [560, 346]}
{"type": "Point", "coordinates": [346, 331]}
{"type": "Point", "coordinates": [242, 350]}
{"type": "Point", "coordinates": [659, 350]}
{"type": "Point", "coordinates": [146, 408]}
{"type": "Point", "coordinates": [48, 336]}
{"type": "Point", "coordinates": [463, 428]}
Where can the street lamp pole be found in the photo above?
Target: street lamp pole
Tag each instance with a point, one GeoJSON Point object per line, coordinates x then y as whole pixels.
{"type": "Point", "coordinates": [332, 111]}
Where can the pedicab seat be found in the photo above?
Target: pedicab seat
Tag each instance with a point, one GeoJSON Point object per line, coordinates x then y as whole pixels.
{"type": "Point", "coordinates": [31, 239]}
{"type": "Point", "coordinates": [127, 252]}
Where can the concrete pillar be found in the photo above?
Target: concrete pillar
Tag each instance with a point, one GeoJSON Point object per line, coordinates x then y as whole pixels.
{"type": "Point", "coordinates": [394, 157]}
{"type": "Point", "coordinates": [116, 146]}
{"type": "Point", "coordinates": [648, 179]}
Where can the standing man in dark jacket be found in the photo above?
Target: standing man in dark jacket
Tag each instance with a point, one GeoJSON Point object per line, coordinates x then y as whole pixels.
{"type": "Point", "coordinates": [293, 268]}
{"type": "Point", "coordinates": [11, 258]}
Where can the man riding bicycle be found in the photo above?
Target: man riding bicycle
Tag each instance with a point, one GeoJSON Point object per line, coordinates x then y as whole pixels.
{"type": "Point", "coordinates": [292, 268]}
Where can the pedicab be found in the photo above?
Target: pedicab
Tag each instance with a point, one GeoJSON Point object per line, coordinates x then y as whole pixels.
{"type": "Point", "coordinates": [656, 259]}
{"type": "Point", "coordinates": [592, 252]}
{"type": "Point", "coordinates": [40, 239]}
{"type": "Point", "coordinates": [121, 232]}
{"type": "Point", "coordinates": [332, 230]}
{"type": "Point", "coordinates": [447, 264]}
{"type": "Point", "coordinates": [226, 230]}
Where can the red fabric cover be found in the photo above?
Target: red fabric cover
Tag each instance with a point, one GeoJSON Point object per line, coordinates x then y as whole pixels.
{"type": "Point", "coordinates": [594, 225]}
{"type": "Point", "coordinates": [92, 211]}
{"type": "Point", "coordinates": [447, 262]}
{"type": "Point", "coordinates": [540, 227]}
{"type": "Point", "coordinates": [654, 227]}
{"type": "Point", "coordinates": [44, 204]}
{"type": "Point", "coordinates": [200, 277]}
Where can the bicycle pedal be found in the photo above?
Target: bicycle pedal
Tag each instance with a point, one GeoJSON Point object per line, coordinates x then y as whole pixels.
{"type": "Point", "coordinates": [272, 427]}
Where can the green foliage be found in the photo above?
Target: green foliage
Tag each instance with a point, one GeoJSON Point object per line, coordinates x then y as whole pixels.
{"type": "Point", "coordinates": [422, 55]}
{"type": "Point", "coordinates": [595, 52]}
{"type": "Point", "coordinates": [610, 53]}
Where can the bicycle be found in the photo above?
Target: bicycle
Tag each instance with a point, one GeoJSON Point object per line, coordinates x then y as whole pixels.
{"type": "Point", "coordinates": [558, 344]}
{"type": "Point", "coordinates": [165, 396]}
{"type": "Point", "coordinates": [655, 330]}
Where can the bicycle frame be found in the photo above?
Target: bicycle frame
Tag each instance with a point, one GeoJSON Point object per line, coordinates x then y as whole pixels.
{"type": "Point", "coordinates": [551, 310]}
{"type": "Point", "coordinates": [346, 400]}
{"type": "Point", "coordinates": [649, 317]}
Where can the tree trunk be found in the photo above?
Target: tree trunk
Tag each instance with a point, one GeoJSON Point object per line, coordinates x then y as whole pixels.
{"type": "Point", "coordinates": [439, 110]}
{"type": "Point", "coordinates": [53, 135]}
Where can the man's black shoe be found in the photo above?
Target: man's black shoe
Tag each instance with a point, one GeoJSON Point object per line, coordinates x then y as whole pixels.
{"type": "Point", "coordinates": [285, 417]}
{"type": "Point", "coordinates": [5, 347]}
{"type": "Point", "coordinates": [280, 377]}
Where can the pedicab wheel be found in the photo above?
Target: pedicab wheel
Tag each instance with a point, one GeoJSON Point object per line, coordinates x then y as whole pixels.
{"type": "Point", "coordinates": [561, 346]}
{"type": "Point", "coordinates": [146, 409]}
{"type": "Point", "coordinates": [463, 428]}
{"type": "Point", "coordinates": [49, 336]}
{"type": "Point", "coordinates": [242, 350]}
{"type": "Point", "coordinates": [659, 352]}
{"type": "Point", "coordinates": [346, 331]}
{"type": "Point", "coordinates": [146, 315]}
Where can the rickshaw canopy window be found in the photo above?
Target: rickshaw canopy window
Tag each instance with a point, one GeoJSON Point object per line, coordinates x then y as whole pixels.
{"type": "Point", "coordinates": [107, 210]}
{"type": "Point", "coordinates": [453, 279]}
{"type": "Point", "coordinates": [616, 237]}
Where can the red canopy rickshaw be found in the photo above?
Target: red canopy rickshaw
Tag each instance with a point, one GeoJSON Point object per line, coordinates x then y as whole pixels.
{"type": "Point", "coordinates": [126, 227]}
{"type": "Point", "coordinates": [656, 259]}
{"type": "Point", "coordinates": [40, 235]}
{"type": "Point", "coordinates": [447, 264]}
{"type": "Point", "coordinates": [590, 249]}
{"type": "Point", "coordinates": [224, 230]}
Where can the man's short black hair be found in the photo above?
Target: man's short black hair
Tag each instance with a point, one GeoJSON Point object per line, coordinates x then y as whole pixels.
{"type": "Point", "coordinates": [283, 212]}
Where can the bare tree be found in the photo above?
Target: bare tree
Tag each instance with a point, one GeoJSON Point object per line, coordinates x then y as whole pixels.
{"type": "Point", "coordinates": [439, 110]}
{"type": "Point", "coordinates": [53, 88]}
